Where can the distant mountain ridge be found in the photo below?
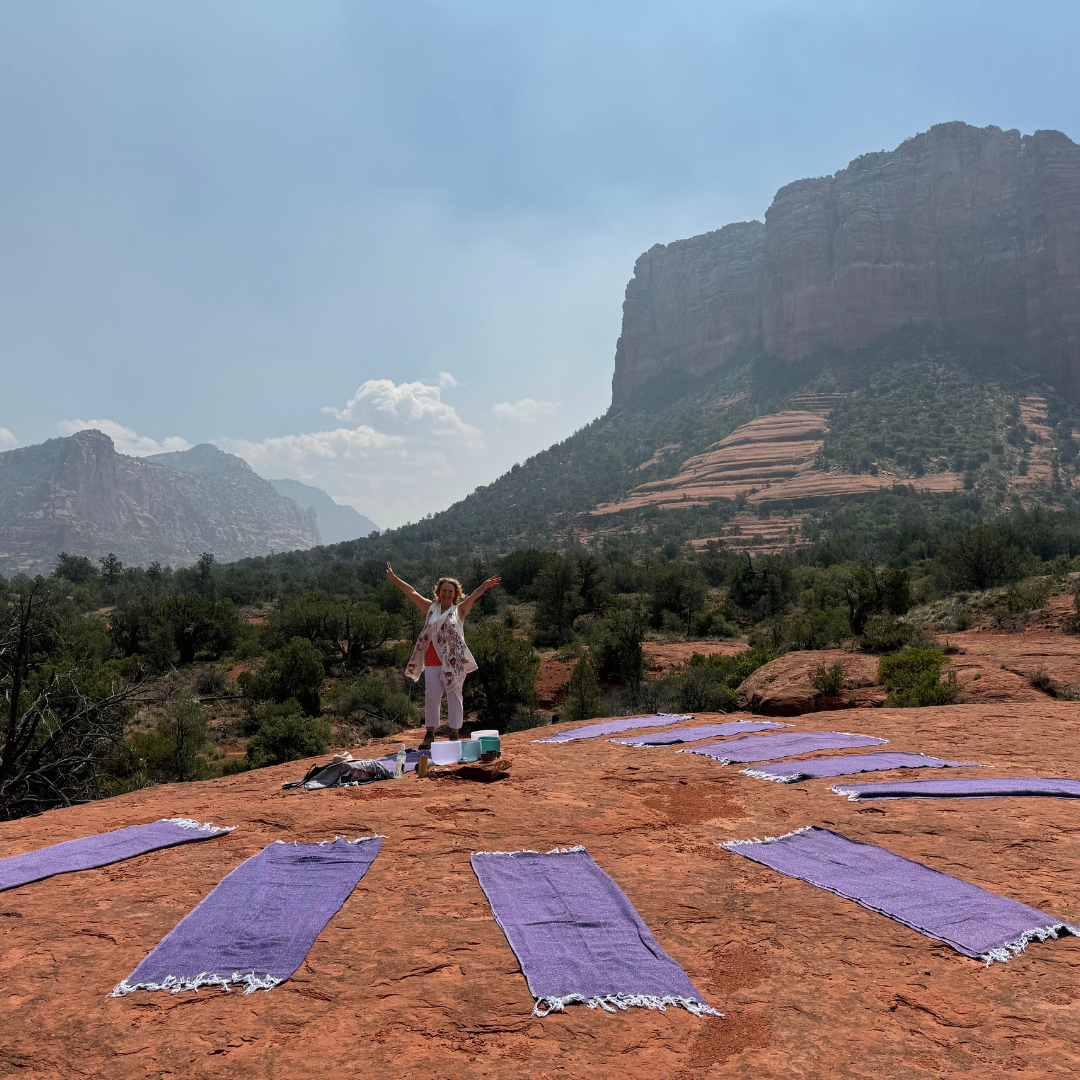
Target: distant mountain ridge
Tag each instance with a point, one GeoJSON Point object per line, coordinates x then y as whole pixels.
{"type": "Point", "coordinates": [337, 522]}
{"type": "Point", "coordinates": [77, 494]}
{"type": "Point", "coordinates": [974, 230]}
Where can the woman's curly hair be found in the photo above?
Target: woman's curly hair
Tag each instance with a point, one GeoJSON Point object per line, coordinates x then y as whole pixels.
{"type": "Point", "coordinates": [458, 590]}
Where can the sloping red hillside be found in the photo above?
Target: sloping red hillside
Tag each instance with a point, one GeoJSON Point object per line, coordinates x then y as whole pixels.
{"type": "Point", "coordinates": [771, 459]}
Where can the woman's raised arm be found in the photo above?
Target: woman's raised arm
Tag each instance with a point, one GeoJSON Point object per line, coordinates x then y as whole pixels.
{"type": "Point", "coordinates": [420, 601]}
{"type": "Point", "coordinates": [465, 606]}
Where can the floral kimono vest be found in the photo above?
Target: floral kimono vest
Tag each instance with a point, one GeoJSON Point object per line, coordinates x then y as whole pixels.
{"type": "Point", "coordinates": [443, 630]}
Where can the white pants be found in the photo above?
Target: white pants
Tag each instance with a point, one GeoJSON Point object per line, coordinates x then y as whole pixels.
{"type": "Point", "coordinates": [433, 694]}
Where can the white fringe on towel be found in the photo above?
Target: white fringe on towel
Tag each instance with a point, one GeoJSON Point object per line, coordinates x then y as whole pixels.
{"type": "Point", "coordinates": [731, 844]}
{"type": "Point", "coordinates": [529, 851]}
{"type": "Point", "coordinates": [1006, 952]}
{"type": "Point", "coordinates": [207, 827]}
{"type": "Point", "coordinates": [322, 843]}
{"type": "Point", "coordinates": [611, 1002]}
{"type": "Point", "coordinates": [787, 778]}
{"type": "Point", "coordinates": [251, 982]}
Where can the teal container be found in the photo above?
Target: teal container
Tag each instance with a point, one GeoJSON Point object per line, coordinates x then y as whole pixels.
{"type": "Point", "coordinates": [470, 750]}
{"type": "Point", "coordinates": [489, 743]}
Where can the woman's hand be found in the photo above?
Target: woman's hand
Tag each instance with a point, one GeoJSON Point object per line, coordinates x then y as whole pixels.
{"type": "Point", "coordinates": [491, 583]}
{"type": "Point", "coordinates": [390, 572]}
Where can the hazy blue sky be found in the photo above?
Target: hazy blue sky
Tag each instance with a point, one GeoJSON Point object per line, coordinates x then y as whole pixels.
{"type": "Point", "coordinates": [382, 247]}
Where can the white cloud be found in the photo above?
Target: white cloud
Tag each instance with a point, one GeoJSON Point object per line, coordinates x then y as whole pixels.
{"type": "Point", "coordinates": [399, 453]}
{"type": "Point", "coordinates": [525, 410]}
{"type": "Point", "coordinates": [409, 454]}
{"type": "Point", "coordinates": [125, 439]}
{"type": "Point", "coordinates": [304, 450]}
{"type": "Point", "coordinates": [7, 440]}
{"type": "Point", "coordinates": [416, 408]}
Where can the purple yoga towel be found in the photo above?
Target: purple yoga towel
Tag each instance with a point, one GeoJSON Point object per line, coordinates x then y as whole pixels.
{"type": "Point", "coordinates": [788, 772]}
{"type": "Point", "coordinates": [764, 747]}
{"type": "Point", "coordinates": [1010, 786]}
{"type": "Point", "coordinates": [102, 849]}
{"type": "Point", "coordinates": [577, 936]}
{"type": "Point", "coordinates": [412, 759]}
{"type": "Point", "coordinates": [613, 727]}
{"type": "Point", "coordinates": [259, 922]}
{"type": "Point", "coordinates": [974, 922]}
{"type": "Point", "coordinates": [705, 731]}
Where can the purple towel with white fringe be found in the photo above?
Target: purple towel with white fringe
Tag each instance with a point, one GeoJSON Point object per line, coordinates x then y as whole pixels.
{"type": "Point", "coordinates": [788, 772]}
{"type": "Point", "coordinates": [704, 731]}
{"type": "Point", "coordinates": [613, 727]}
{"type": "Point", "coordinates": [90, 852]}
{"type": "Point", "coordinates": [763, 747]}
{"type": "Point", "coordinates": [577, 936]}
{"type": "Point", "coordinates": [974, 922]}
{"type": "Point", "coordinates": [260, 920]}
{"type": "Point", "coordinates": [964, 788]}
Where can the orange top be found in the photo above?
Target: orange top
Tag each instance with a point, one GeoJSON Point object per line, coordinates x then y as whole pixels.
{"type": "Point", "coordinates": [431, 657]}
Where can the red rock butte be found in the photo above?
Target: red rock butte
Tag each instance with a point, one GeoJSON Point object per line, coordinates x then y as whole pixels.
{"type": "Point", "coordinates": [976, 229]}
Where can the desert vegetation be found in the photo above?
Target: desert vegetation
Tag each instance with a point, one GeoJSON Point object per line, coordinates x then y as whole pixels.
{"type": "Point", "coordinates": [116, 677]}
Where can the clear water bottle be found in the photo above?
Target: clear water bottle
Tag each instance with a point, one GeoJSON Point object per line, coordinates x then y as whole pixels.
{"type": "Point", "coordinates": [399, 766]}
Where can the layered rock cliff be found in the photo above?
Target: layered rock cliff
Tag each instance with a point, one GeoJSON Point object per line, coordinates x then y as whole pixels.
{"type": "Point", "coordinates": [975, 229]}
{"type": "Point", "coordinates": [335, 522]}
{"type": "Point", "coordinates": [79, 495]}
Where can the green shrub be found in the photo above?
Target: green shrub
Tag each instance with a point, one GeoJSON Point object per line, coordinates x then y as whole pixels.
{"type": "Point", "coordinates": [983, 557]}
{"type": "Point", "coordinates": [914, 679]}
{"type": "Point", "coordinates": [583, 700]}
{"type": "Point", "coordinates": [1027, 596]}
{"type": "Point", "coordinates": [233, 765]}
{"type": "Point", "coordinates": [211, 681]}
{"type": "Point", "coordinates": [1040, 680]}
{"type": "Point", "coordinates": [374, 701]}
{"type": "Point", "coordinates": [617, 649]}
{"type": "Point", "coordinates": [286, 736]}
{"type": "Point", "coordinates": [505, 675]}
{"type": "Point", "coordinates": [248, 648]}
{"type": "Point", "coordinates": [171, 750]}
{"type": "Point", "coordinates": [527, 717]}
{"type": "Point", "coordinates": [885, 633]}
{"type": "Point", "coordinates": [678, 591]}
{"type": "Point", "coordinates": [702, 689]}
{"type": "Point", "coordinates": [176, 629]}
{"type": "Point", "coordinates": [709, 683]}
{"type": "Point", "coordinates": [828, 681]}
{"type": "Point", "coordinates": [713, 624]}
{"type": "Point", "coordinates": [294, 671]}
{"type": "Point", "coordinates": [815, 629]}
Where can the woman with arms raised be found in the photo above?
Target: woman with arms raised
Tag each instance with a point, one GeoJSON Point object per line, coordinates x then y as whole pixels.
{"type": "Point", "coordinates": [441, 652]}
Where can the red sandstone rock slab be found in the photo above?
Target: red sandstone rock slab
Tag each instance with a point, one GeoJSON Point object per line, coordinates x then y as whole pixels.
{"type": "Point", "coordinates": [782, 687]}
{"type": "Point", "coordinates": [1025, 653]}
{"type": "Point", "coordinates": [413, 978]}
{"type": "Point", "coordinates": [986, 681]}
